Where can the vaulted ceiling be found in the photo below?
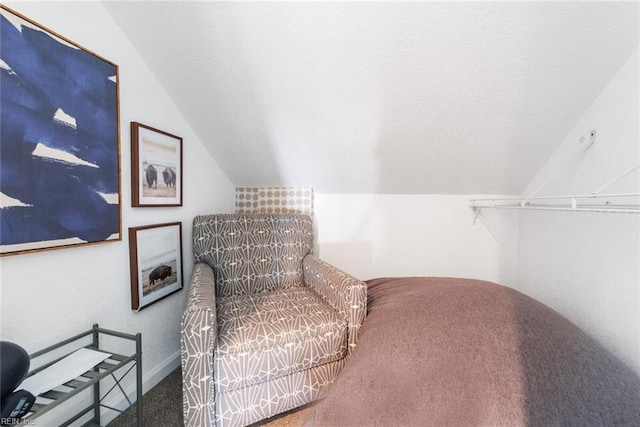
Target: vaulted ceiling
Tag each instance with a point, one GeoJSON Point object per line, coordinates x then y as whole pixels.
{"type": "Point", "coordinates": [382, 97]}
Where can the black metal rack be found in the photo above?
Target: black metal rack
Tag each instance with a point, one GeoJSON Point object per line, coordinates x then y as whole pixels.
{"type": "Point", "coordinates": [109, 367]}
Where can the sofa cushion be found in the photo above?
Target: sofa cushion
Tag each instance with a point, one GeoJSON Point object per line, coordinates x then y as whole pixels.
{"type": "Point", "coordinates": [270, 334]}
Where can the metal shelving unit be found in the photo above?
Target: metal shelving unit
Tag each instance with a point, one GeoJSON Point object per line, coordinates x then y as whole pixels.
{"type": "Point", "coordinates": [116, 366]}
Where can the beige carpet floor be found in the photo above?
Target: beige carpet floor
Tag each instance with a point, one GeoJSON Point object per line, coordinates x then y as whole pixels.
{"type": "Point", "coordinates": [295, 418]}
{"type": "Point", "coordinates": [162, 406]}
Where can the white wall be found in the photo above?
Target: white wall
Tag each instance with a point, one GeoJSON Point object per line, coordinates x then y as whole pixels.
{"type": "Point", "coordinates": [50, 295]}
{"type": "Point", "coordinates": [415, 235]}
{"type": "Point", "coordinates": [587, 265]}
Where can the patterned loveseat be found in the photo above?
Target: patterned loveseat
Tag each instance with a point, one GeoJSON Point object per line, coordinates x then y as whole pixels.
{"type": "Point", "coordinates": [267, 326]}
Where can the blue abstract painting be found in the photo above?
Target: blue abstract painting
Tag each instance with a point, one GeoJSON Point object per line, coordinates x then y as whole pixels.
{"type": "Point", "coordinates": [59, 149]}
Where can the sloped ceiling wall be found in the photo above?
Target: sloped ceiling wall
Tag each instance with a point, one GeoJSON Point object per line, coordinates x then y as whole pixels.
{"type": "Point", "coordinates": [383, 97]}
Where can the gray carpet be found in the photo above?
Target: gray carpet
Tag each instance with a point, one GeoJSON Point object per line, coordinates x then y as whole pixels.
{"type": "Point", "coordinates": [162, 406]}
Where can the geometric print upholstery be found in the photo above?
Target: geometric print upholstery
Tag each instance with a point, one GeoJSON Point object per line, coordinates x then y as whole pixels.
{"type": "Point", "coordinates": [271, 334]}
{"type": "Point", "coordinates": [343, 292]}
{"type": "Point", "coordinates": [274, 397]}
{"type": "Point", "coordinates": [198, 339]}
{"type": "Point", "coordinates": [252, 253]}
{"type": "Point", "coordinates": [266, 326]}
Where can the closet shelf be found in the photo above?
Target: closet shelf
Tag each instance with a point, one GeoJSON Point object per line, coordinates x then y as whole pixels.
{"type": "Point", "coordinates": [609, 203]}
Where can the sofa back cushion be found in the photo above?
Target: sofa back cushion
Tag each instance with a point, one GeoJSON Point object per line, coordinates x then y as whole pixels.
{"type": "Point", "coordinates": [252, 253]}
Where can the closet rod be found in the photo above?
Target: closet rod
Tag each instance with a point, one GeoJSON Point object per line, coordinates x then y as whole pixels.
{"type": "Point", "coordinates": [577, 196]}
{"type": "Point", "coordinates": [574, 203]}
{"type": "Point", "coordinates": [612, 209]}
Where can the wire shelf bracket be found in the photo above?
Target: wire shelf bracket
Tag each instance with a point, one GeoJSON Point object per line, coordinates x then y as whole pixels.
{"type": "Point", "coordinates": [604, 203]}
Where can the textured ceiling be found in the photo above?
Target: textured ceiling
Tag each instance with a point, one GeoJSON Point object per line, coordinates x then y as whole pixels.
{"type": "Point", "coordinates": [382, 97]}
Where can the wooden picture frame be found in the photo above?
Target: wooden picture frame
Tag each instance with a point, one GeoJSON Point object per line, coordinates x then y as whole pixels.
{"type": "Point", "coordinates": [60, 120]}
{"type": "Point", "coordinates": [155, 255]}
{"type": "Point", "coordinates": [156, 167]}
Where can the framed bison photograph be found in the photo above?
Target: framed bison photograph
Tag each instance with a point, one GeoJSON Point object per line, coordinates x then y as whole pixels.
{"type": "Point", "coordinates": [155, 253]}
{"type": "Point", "coordinates": [156, 167]}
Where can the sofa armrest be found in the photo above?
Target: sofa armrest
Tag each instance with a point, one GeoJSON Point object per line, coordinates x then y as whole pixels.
{"type": "Point", "coordinates": [345, 293]}
{"type": "Point", "coordinates": [198, 338]}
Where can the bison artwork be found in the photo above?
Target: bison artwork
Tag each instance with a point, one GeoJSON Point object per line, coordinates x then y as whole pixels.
{"type": "Point", "coordinates": [159, 273]}
{"type": "Point", "coordinates": [152, 176]}
{"type": "Point", "coordinates": [169, 176]}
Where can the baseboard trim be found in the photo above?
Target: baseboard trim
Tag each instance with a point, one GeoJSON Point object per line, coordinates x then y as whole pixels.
{"type": "Point", "coordinates": [149, 380]}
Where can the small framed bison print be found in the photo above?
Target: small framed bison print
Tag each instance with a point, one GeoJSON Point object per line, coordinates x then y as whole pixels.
{"type": "Point", "coordinates": [155, 253]}
{"type": "Point", "coordinates": [156, 167]}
